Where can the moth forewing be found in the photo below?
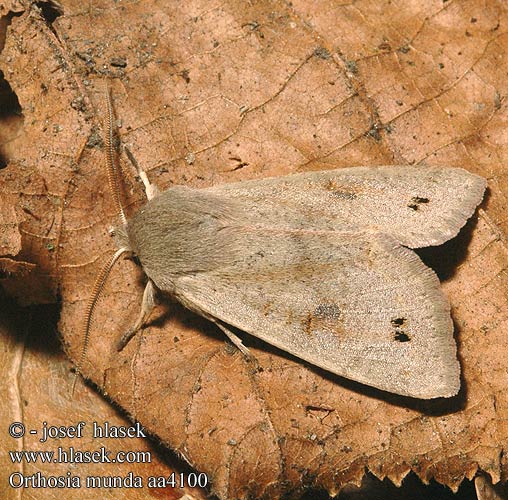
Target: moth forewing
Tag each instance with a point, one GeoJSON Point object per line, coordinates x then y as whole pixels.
{"type": "Point", "coordinates": [419, 206]}
{"type": "Point", "coordinates": [382, 322]}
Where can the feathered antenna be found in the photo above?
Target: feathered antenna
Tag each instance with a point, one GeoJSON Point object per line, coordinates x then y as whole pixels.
{"type": "Point", "coordinates": [104, 273]}
{"type": "Point", "coordinates": [90, 307]}
{"type": "Point", "coordinates": [110, 161]}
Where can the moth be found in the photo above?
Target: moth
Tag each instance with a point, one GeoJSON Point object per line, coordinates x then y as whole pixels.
{"type": "Point", "coordinates": [318, 264]}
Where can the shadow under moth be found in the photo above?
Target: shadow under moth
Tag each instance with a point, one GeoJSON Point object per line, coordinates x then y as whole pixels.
{"type": "Point", "coordinates": [318, 264]}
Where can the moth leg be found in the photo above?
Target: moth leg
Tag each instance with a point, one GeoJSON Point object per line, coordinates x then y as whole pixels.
{"type": "Point", "coordinates": [147, 305]}
{"type": "Point", "coordinates": [150, 189]}
{"type": "Point", "coordinates": [236, 341]}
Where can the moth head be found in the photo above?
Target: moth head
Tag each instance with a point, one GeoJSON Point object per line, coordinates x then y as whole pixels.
{"type": "Point", "coordinates": [121, 237]}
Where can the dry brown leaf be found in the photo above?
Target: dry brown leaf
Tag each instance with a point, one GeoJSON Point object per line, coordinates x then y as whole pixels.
{"type": "Point", "coordinates": [34, 385]}
{"type": "Point", "coordinates": [217, 92]}
{"type": "Point", "coordinates": [485, 490]}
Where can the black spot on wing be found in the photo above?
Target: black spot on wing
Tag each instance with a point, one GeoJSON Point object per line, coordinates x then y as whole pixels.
{"type": "Point", "coordinates": [416, 202]}
{"type": "Point", "coordinates": [399, 334]}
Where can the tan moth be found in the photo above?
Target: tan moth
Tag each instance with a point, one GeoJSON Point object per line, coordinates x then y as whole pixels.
{"type": "Point", "coordinates": [318, 264]}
